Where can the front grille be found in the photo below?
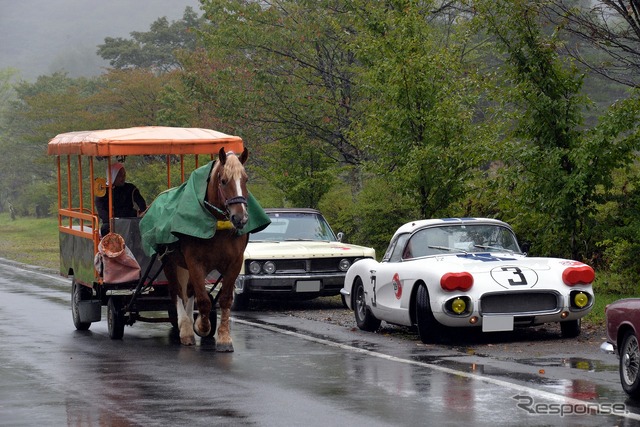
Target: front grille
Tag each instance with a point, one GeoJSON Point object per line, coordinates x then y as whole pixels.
{"type": "Point", "coordinates": [313, 265]}
{"type": "Point", "coordinates": [519, 302]}
{"type": "Point", "coordinates": [290, 265]}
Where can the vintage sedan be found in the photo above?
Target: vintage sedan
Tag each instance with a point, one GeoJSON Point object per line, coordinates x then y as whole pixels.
{"type": "Point", "coordinates": [297, 256]}
{"type": "Point", "coordinates": [623, 326]}
{"type": "Point", "coordinates": [441, 274]}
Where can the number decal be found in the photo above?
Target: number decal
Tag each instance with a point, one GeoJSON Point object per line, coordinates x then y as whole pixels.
{"type": "Point", "coordinates": [522, 281]}
{"type": "Point", "coordinates": [509, 276]}
{"type": "Point", "coordinates": [373, 283]}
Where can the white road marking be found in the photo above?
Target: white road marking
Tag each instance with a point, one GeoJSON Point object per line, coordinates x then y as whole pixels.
{"type": "Point", "coordinates": [517, 387]}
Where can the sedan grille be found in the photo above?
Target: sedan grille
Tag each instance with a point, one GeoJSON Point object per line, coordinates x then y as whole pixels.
{"type": "Point", "coordinates": [519, 302]}
{"type": "Point", "coordinates": [313, 265]}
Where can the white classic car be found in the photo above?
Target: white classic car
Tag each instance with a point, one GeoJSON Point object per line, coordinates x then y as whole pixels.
{"type": "Point", "coordinates": [297, 256]}
{"type": "Point", "coordinates": [466, 272]}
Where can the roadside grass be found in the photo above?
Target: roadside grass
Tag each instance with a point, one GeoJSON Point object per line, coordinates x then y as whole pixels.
{"type": "Point", "coordinates": [34, 241]}
{"type": "Point", "coordinates": [30, 240]}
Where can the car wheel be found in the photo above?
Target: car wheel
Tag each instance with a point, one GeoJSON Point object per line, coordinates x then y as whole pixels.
{"type": "Point", "coordinates": [630, 365]}
{"type": "Point", "coordinates": [79, 293]}
{"type": "Point", "coordinates": [240, 302]}
{"type": "Point", "coordinates": [570, 328]}
{"type": "Point", "coordinates": [364, 319]}
{"type": "Point", "coordinates": [429, 329]}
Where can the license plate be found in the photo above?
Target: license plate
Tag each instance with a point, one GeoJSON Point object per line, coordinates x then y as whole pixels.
{"type": "Point", "coordinates": [497, 323]}
{"type": "Point", "coordinates": [308, 286]}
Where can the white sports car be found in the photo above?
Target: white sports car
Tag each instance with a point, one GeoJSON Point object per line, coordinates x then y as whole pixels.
{"type": "Point", "coordinates": [466, 272]}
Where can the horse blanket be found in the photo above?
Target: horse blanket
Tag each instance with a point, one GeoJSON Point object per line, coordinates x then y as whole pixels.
{"type": "Point", "coordinates": [181, 210]}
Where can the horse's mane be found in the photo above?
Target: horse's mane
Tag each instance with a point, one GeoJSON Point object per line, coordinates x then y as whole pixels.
{"type": "Point", "coordinates": [233, 167]}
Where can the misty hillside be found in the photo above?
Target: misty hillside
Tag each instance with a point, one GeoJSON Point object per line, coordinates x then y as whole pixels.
{"type": "Point", "coordinates": [42, 36]}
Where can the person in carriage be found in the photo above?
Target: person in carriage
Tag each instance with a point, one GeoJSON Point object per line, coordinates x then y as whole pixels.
{"type": "Point", "coordinates": [127, 200]}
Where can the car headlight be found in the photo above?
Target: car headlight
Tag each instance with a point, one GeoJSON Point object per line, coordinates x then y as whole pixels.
{"type": "Point", "coordinates": [458, 306]}
{"type": "Point", "coordinates": [254, 267]}
{"type": "Point", "coordinates": [269, 267]}
{"type": "Point", "coordinates": [344, 264]}
{"type": "Point", "coordinates": [580, 299]}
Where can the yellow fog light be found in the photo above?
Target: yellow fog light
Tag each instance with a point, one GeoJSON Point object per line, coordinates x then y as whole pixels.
{"type": "Point", "coordinates": [458, 306]}
{"type": "Point", "coordinates": [581, 300]}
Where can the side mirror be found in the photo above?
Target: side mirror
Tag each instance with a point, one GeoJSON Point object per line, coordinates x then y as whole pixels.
{"type": "Point", "coordinates": [340, 236]}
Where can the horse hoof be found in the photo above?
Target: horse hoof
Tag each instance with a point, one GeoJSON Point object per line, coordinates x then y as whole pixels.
{"type": "Point", "coordinates": [224, 348]}
{"type": "Point", "coordinates": [196, 328]}
{"type": "Point", "coordinates": [188, 341]}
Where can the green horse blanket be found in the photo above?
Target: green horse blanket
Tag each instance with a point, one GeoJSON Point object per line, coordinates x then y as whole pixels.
{"type": "Point", "coordinates": [181, 210]}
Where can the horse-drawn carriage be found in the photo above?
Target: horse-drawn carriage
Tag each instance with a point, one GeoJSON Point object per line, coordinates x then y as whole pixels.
{"type": "Point", "coordinates": [138, 277]}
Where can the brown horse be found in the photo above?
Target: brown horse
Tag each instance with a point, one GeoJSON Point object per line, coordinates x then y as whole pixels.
{"type": "Point", "coordinates": [191, 259]}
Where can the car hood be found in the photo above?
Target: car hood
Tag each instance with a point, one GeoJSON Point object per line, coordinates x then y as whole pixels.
{"type": "Point", "coordinates": [485, 262]}
{"type": "Point", "coordinates": [305, 249]}
{"type": "Point", "coordinates": [504, 269]}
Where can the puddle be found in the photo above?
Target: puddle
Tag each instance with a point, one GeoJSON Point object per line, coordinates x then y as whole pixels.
{"type": "Point", "coordinates": [571, 362]}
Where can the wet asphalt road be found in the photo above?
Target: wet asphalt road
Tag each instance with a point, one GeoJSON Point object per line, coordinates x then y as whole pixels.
{"type": "Point", "coordinates": [285, 371]}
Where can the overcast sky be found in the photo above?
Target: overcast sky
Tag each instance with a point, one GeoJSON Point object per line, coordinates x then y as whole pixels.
{"type": "Point", "coordinates": [42, 36]}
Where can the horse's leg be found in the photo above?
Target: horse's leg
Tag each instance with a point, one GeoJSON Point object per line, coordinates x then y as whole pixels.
{"type": "Point", "coordinates": [184, 307]}
{"type": "Point", "coordinates": [197, 277]}
{"type": "Point", "coordinates": [224, 342]}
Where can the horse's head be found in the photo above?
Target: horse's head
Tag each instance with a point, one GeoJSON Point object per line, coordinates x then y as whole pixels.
{"type": "Point", "coordinates": [230, 178]}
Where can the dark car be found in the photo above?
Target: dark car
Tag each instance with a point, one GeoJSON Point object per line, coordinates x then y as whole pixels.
{"type": "Point", "coordinates": [623, 323]}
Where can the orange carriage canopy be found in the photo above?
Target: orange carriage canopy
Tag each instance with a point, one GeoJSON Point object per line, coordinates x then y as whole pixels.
{"type": "Point", "coordinates": [143, 140]}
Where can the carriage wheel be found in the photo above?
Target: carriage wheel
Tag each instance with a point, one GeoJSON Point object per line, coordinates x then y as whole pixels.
{"type": "Point", "coordinates": [79, 293]}
{"type": "Point", "coordinates": [115, 319]}
{"type": "Point", "coordinates": [173, 315]}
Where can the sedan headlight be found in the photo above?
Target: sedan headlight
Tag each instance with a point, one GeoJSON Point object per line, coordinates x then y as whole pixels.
{"type": "Point", "coordinates": [344, 264]}
{"type": "Point", "coordinates": [269, 267]}
{"type": "Point", "coordinates": [254, 267]}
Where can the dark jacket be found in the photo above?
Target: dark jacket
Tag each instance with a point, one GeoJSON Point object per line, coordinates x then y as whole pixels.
{"type": "Point", "coordinates": [124, 198]}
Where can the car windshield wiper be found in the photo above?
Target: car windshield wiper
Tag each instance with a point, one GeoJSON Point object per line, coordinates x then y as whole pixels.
{"type": "Point", "coordinates": [446, 248]}
{"type": "Point", "coordinates": [496, 248]}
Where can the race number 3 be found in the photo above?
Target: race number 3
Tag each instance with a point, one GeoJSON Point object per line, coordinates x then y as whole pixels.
{"type": "Point", "coordinates": [518, 279]}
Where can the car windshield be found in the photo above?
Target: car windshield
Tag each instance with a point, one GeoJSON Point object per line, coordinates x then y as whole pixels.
{"type": "Point", "coordinates": [460, 238]}
{"type": "Point", "coordinates": [294, 226]}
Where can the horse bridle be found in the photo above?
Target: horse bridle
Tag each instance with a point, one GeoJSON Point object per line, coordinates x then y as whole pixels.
{"type": "Point", "coordinates": [227, 202]}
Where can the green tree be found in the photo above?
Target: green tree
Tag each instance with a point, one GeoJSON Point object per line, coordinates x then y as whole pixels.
{"type": "Point", "coordinates": [155, 49]}
{"type": "Point", "coordinates": [422, 97]}
{"type": "Point", "coordinates": [281, 72]}
{"type": "Point", "coordinates": [557, 169]}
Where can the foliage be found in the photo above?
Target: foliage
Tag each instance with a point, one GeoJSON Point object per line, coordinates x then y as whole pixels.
{"type": "Point", "coordinates": [156, 48]}
{"type": "Point", "coordinates": [281, 72]}
{"type": "Point", "coordinates": [419, 123]}
{"type": "Point", "coordinates": [299, 170]}
{"type": "Point", "coordinates": [376, 113]}
{"type": "Point", "coordinates": [559, 168]}
{"type": "Point", "coordinates": [612, 27]}
{"type": "Point", "coordinates": [369, 218]}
